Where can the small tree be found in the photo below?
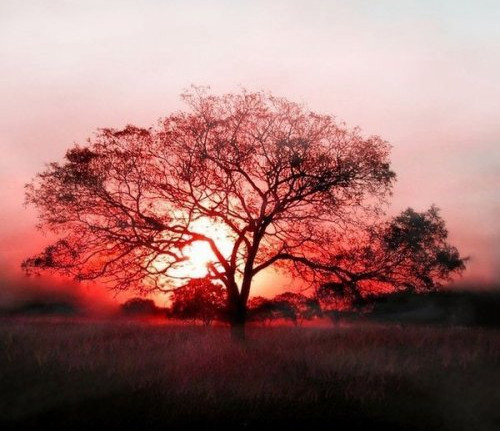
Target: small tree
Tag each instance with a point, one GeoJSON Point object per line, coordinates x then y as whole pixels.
{"type": "Point", "coordinates": [140, 306]}
{"type": "Point", "coordinates": [297, 307]}
{"type": "Point", "coordinates": [199, 299]}
{"type": "Point", "coordinates": [289, 306]}
{"type": "Point", "coordinates": [261, 309]}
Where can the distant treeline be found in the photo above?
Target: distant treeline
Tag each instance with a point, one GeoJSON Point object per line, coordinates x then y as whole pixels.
{"type": "Point", "coordinates": [467, 308]}
{"type": "Point", "coordinates": [459, 307]}
{"type": "Point", "coordinates": [42, 307]}
{"type": "Point", "coordinates": [451, 307]}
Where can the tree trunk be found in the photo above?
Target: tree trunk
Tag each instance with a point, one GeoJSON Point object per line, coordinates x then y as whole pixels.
{"type": "Point", "coordinates": [237, 316]}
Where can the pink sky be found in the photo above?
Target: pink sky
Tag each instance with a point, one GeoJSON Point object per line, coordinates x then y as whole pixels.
{"type": "Point", "coordinates": [424, 75]}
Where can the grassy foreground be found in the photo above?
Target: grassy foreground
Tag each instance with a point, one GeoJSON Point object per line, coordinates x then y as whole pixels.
{"type": "Point", "coordinates": [115, 375]}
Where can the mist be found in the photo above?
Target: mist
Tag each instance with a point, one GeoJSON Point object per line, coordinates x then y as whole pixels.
{"type": "Point", "coordinates": [44, 296]}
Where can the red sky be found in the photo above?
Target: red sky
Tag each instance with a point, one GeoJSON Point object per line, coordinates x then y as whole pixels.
{"type": "Point", "coordinates": [423, 75]}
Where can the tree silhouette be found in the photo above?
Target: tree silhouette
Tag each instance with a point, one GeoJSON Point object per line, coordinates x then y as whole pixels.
{"type": "Point", "coordinates": [140, 307]}
{"type": "Point", "coordinates": [408, 253]}
{"type": "Point", "coordinates": [284, 184]}
{"type": "Point", "coordinates": [261, 309]}
{"type": "Point", "coordinates": [292, 306]}
{"type": "Point", "coordinates": [297, 307]}
{"type": "Point", "coordinates": [199, 299]}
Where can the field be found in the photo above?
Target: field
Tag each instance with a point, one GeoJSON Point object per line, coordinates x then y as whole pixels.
{"type": "Point", "coordinates": [74, 375]}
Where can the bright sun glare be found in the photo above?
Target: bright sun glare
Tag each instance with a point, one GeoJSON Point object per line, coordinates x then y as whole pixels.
{"type": "Point", "coordinates": [200, 254]}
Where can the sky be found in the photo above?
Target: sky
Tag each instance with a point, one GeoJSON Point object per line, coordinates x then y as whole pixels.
{"type": "Point", "coordinates": [424, 75]}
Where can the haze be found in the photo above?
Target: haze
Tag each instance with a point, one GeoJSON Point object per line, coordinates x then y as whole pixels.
{"type": "Point", "coordinates": [423, 75]}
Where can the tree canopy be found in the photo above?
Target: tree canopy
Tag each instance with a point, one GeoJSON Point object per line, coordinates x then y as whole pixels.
{"type": "Point", "coordinates": [287, 187]}
{"type": "Point", "coordinates": [199, 299]}
{"type": "Point", "coordinates": [140, 307]}
{"type": "Point", "coordinates": [409, 252]}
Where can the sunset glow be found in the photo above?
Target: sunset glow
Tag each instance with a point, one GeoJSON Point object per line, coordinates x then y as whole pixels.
{"type": "Point", "coordinates": [250, 215]}
{"type": "Point", "coordinates": [425, 78]}
{"type": "Point", "coordinates": [200, 254]}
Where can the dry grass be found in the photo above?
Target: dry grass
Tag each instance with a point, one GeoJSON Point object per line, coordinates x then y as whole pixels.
{"type": "Point", "coordinates": [74, 375]}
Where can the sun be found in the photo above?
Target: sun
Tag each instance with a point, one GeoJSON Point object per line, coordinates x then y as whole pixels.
{"type": "Point", "coordinates": [199, 254]}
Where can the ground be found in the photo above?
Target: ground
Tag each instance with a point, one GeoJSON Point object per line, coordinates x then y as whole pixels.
{"type": "Point", "coordinates": [76, 375]}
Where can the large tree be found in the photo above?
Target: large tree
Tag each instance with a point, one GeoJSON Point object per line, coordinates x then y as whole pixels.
{"type": "Point", "coordinates": [284, 186]}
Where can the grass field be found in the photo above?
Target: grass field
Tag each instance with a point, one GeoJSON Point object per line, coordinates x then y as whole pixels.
{"type": "Point", "coordinates": [73, 375]}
